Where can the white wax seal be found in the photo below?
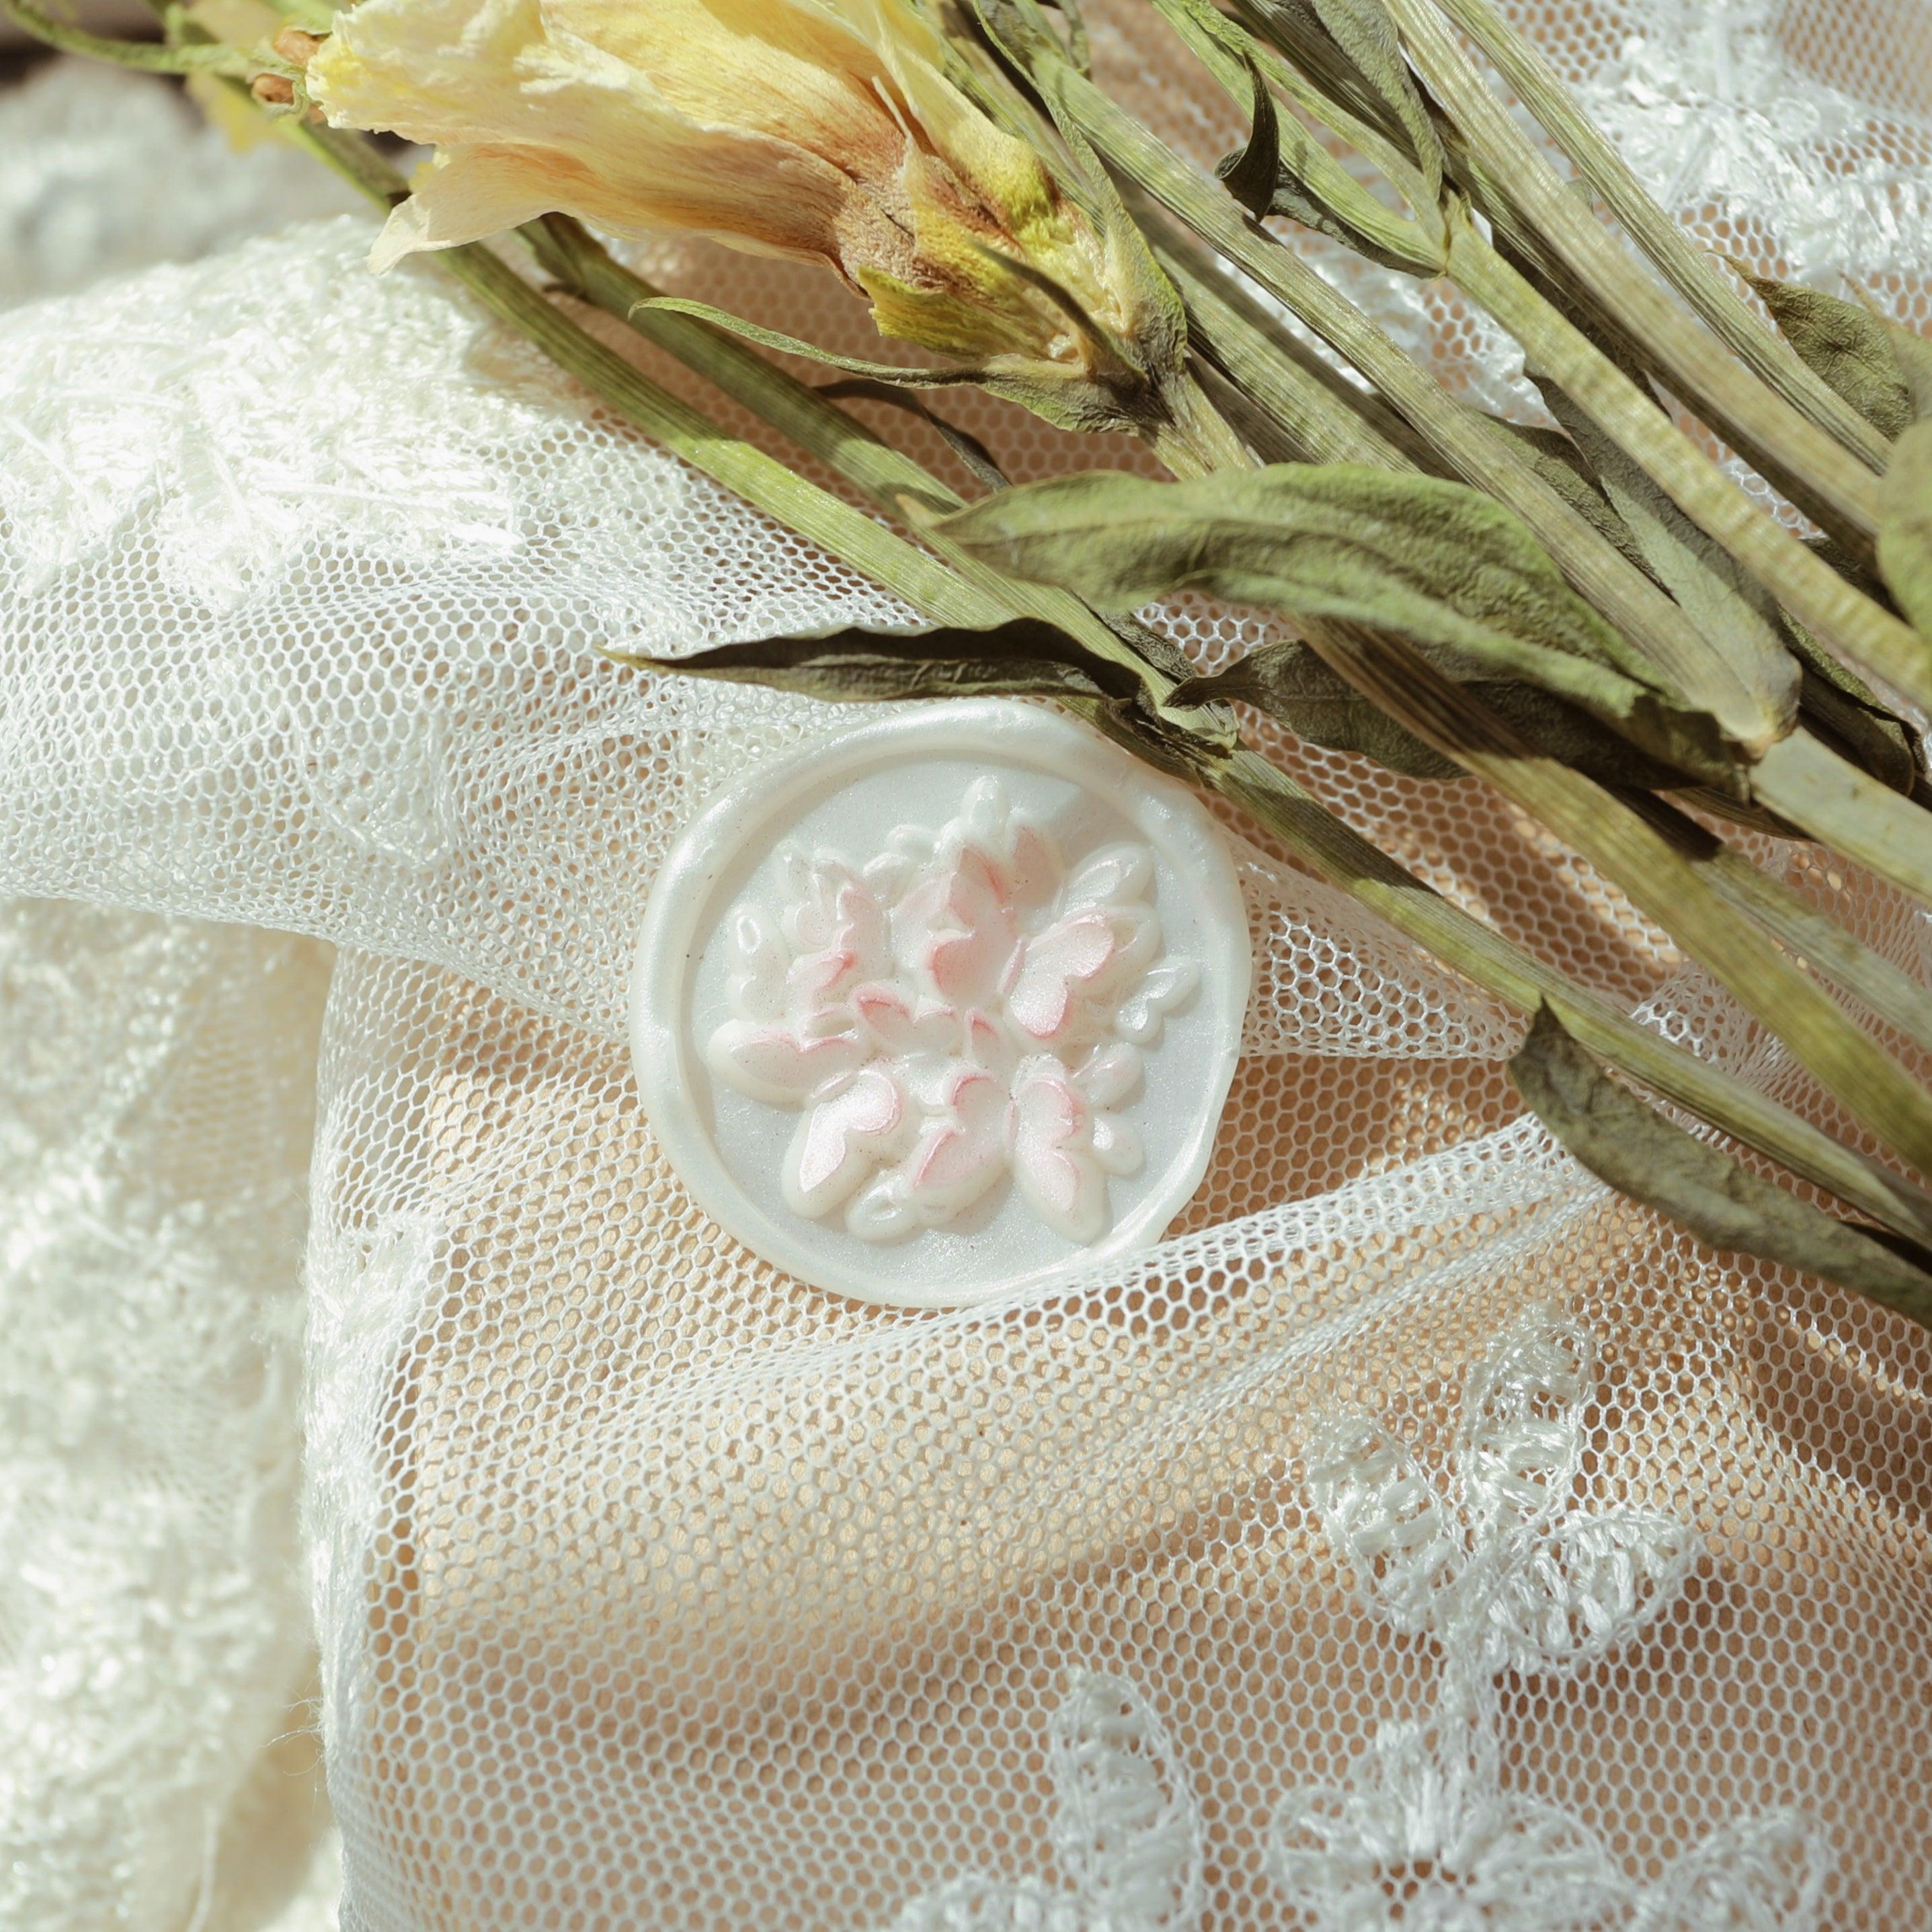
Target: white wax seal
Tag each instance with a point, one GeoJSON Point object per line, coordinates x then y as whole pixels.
{"type": "Point", "coordinates": [925, 1012]}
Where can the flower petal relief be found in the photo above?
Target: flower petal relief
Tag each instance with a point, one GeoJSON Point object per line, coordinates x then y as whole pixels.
{"type": "Point", "coordinates": [822, 130]}
{"type": "Point", "coordinates": [960, 1009]}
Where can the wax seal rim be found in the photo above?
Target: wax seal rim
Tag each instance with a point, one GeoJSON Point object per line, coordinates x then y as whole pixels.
{"type": "Point", "coordinates": [671, 938]}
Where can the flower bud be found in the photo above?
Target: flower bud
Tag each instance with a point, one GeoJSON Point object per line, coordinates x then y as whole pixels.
{"type": "Point", "coordinates": [296, 45]}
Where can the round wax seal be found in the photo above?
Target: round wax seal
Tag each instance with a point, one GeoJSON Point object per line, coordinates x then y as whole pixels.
{"type": "Point", "coordinates": [928, 1011]}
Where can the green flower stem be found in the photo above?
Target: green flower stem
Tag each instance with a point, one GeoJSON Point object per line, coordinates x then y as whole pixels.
{"type": "Point", "coordinates": [1346, 860]}
{"type": "Point", "coordinates": [1220, 48]}
{"type": "Point", "coordinates": [1466, 444]}
{"type": "Point", "coordinates": [1892, 996]}
{"type": "Point", "coordinates": [848, 534]}
{"type": "Point", "coordinates": [1628, 849]}
{"type": "Point", "coordinates": [1325, 417]}
{"type": "Point", "coordinates": [884, 476]}
{"type": "Point", "coordinates": [1810, 785]}
{"type": "Point", "coordinates": [1836, 802]}
{"type": "Point", "coordinates": [880, 471]}
{"type": "Point", "coordinates": [1193, 438]}
{"type": "Point", "coordinates": [147, 56]}
{"type": "Point", "coordinates": [1688, 268]}
{"type": "Point", "coordinates": [1802, 581]}
{"type": "Point", "coordinates": [1840, 488]}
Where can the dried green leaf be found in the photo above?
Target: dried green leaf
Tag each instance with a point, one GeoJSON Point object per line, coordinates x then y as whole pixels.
{"type": "Point", "coordinates": [1160, 650]}
{"type": "Point", "coordinates": [1558, 462]}
{"type": "Point", "coordinates": [1583, 742]}
{"type": "Point", "coordinates": [1433, 562]}
{"type": "Point", "coordinates": [1835, 701]}
{"type": "Point", "coordinates": [1625, 1142]}
{"type": "Point", "coordinates": [1290, 683]}
{"type": "Point", "coordinates": [1025, 657]}
{"type": "Point", "coordinates": [1879, 744]}
{"type": "Point", "coordinates": [1284, 169]}
{"type": "Point", "coordinates": [1913, 354]}
{"type": "Point", "coordinates": [1727, 604]}
{"type": "Point", "coordinates": [977, 459]}
{"type": "Point", "coordinates": [1839, 703]}
{"type": "Point", "coordinates": [1846, 346]}
{"type": "Point", "coordinates": [1253, 171]}
{"type": "Point", "coordinates": [1266, 180]}
{"type": "Point", "coordinates": [1296, 30]}
{"type": "Point", "coordinates": [1365, 35]}
{"type": "Point", "coordinates": [1905, 525]}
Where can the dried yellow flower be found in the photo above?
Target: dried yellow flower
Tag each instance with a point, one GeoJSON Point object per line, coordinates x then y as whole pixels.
{"type": "Point", "coordinates": [822, 130]}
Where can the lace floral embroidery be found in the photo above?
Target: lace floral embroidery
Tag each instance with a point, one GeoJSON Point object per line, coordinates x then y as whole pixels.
{"type": "Point", "coordinates": [1502, 1565]}
{"type": "Point", "coordinates": [1126, 1832]}
{"type": "Point", "coordinates": [1508, 1572]}
{"type": "Point", "coordinates": [958, 1009]}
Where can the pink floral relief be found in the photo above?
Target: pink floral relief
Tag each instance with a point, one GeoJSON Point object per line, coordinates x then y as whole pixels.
{"type": "Point", "coordinates": [959, 1009]}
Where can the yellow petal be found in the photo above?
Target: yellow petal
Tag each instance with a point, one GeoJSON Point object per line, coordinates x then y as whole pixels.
{"type": "Point", "coordinates": [567, 125]}
{"type": "Point", "coordinates": [464, 195]}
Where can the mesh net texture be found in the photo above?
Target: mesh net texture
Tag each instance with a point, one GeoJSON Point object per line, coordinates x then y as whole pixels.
{"type": "Point", "coordinates": [1417, 1537]}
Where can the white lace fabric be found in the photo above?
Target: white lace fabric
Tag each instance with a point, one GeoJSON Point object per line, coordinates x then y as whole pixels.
{"type": "Point", "coordinates": [155, 1095]}
{"type": "Point", "coordinates": [1417, 1538]}
{"type": "Point", "coordinates": [157, 1081]}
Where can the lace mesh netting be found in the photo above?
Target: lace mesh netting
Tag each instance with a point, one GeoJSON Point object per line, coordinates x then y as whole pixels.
{"type": "Point", "coordinates": [1418, 1536]}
